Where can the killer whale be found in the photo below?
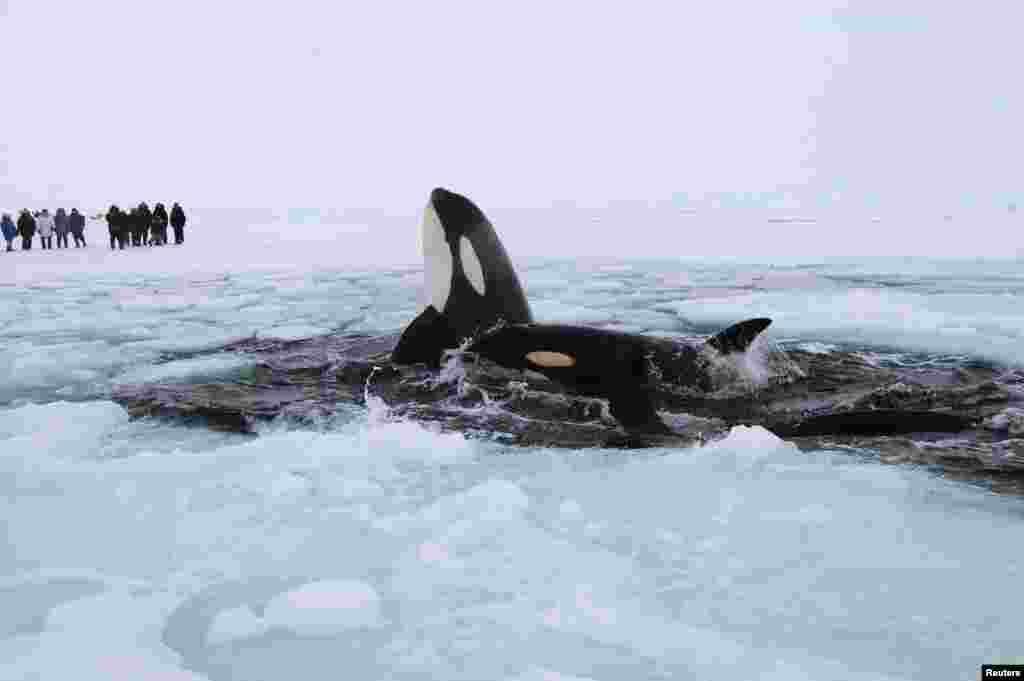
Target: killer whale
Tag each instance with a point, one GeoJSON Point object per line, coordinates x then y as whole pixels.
{"type": "Point", "coordinates": [470, 283]}
{"type": "Point", "coordinates": [475, 301]}
{"type": "Point", "coordinates": [626, 369]}
{"type": "Point", "coordinates": [474, 294]}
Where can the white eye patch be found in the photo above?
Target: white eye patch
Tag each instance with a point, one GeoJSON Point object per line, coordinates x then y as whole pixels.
{"type": "Point", "coordinates": [437, 260]}
{"type": "Point", "coordinates": [544, 358]}
{"type": "Point", "coordinates": [471, 265]}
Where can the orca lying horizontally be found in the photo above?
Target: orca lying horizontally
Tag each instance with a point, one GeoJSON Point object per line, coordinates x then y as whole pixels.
{"type": "Point", "coordinates": [475, 301]}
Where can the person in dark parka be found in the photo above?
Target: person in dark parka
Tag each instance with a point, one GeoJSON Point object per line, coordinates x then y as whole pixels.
{"type": "Point", "coordinates": [76, 223]}
{"type": "Point", "coordinates": [131, 219]}
{"type": "Point", "coordinates": [114, 225]}
{"type": "Point", "coordinates": [60, 227]}
{"type": "Point", "coordinates": [27, 229]}
{"type": "Point", "coordinates": [140, 231]}
{"type": "Point", "coordinates": [124, 229]}
{"type": "Point", "coordinates": [133, 228]}
{"type": "Point", "coordinates": [124, 234]}
{"type": "Point", "coordinates": [9, 231]}
{"type": "Point", "coordinates": [159, 225]}
{"type": "Point", "coordinates": [178, 223]}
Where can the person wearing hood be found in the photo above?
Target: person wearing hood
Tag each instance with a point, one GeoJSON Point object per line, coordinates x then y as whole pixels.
{"type": "Point", "coordinates": [26, 228]}
{"type": "Point", "coordinates": [131, 219]}
{"type": "Point", "coordinates": [124, 232]}
{"type": "Point", "coordinates": [9, 231]}
{"type": "Point", "coordinates": [45, 225]}
{"type": "Point", "coordinates": [178, 223]}
{"type": "Point", "coordinates": [76, 223]}
{"type": "Point", "coordinates": [60, 226]}
{"type": "Point", "coordinates": [140, 228]}
{"type": "Point", "coordinates": [114, 225]}
{"type": "Point", "coordinates": [159, 224]}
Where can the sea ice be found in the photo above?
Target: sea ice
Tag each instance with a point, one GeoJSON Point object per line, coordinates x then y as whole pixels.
{"type": "Point", "coordinates": [235, 623]}
{"type": "Point", "coordinates": [150, 549]}
{"type": "Point", "coordinates": [325, 608]}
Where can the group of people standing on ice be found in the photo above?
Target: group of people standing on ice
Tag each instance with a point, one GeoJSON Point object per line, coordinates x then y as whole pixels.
{"type": "Point", "coordinates": [61, 223]}
{"type": "Point", "coordinates": [141, 226]}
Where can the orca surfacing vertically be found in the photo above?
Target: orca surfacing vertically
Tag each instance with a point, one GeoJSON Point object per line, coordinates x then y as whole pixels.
{"type": "Point", "coordinates": [474, 295]}
{"type": "Point", "coordinates": [470, 283]}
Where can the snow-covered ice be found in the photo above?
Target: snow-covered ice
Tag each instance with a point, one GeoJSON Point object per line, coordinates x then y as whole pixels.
{"type": "Point", "coordinates": [380, 549]}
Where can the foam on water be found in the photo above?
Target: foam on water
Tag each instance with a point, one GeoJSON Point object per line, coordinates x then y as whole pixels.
{"type": "Point", "coordinates": [1010, 420]}
{"type": "Point", "coordinates": [380, 548]}
{"type": "Point", "coordinates": [816, 348]}
{"type": "Point", "coordinates": [761, 363]}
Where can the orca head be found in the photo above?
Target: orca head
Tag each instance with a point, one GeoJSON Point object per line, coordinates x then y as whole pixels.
{"type": "Point", "coordinates": [448, 221]}
{"type": "Point", "coordinates": [469, 281]}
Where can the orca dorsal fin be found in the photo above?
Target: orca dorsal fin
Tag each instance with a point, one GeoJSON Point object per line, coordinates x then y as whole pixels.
{"type": "Point", "coordinates": [739, 336]}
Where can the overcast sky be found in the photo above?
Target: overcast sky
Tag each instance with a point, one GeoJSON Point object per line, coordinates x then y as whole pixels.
{"type": "Point", "coordinates": [518, 105]}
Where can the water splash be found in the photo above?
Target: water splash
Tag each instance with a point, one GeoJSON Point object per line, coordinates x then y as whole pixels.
{"type": "Point", "coordinates": [453, 369]}
{"type": "Point", "coordinates": [762, 363]}
{"type": "Point", "coordinates": [377, 409]}
{"type": "Point", "coordinates": [453, 366]}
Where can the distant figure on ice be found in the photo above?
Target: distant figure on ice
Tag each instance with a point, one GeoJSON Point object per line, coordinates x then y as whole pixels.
{"type": "Point", "coordinates": [114, 225]}
{"type": "Point", "coordinates": [9, 231]}
{"type": "Point", "coordinates": [178, 223]}
{"type": "Point", "coordinates": [159, 227]}
{"type": "Point", "coordinates": [124, 228]}
{"type": "Point", "coordinates": [140, 229]}
{"type": "Point", "coordinates": [26, 228]}
{"type": "Point", "coordinates": [45, 225]}
{"type": "Point", "coordinates": [76, 223]}
{"type": "Point", "coordinates": [131, 221]}
{"type": "Point", "coordinates": [60, 226]}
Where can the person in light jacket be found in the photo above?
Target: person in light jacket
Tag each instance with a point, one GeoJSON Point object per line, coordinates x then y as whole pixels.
{"type": "Point", "coordinates": [9, 231]}
{"type": "Point", "coordinates": [45, 225]}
